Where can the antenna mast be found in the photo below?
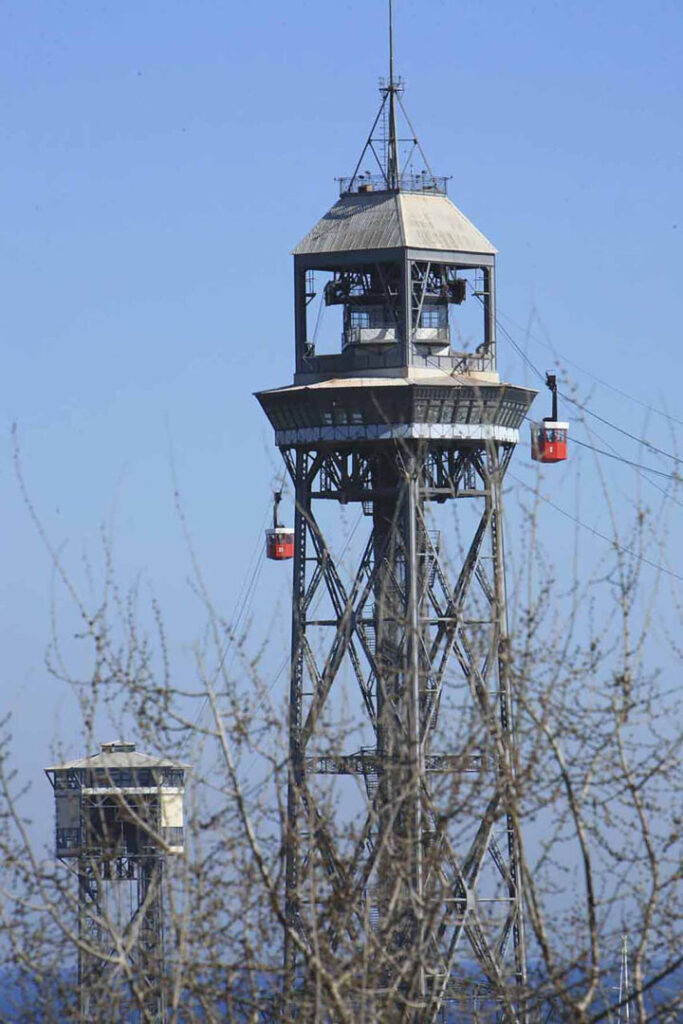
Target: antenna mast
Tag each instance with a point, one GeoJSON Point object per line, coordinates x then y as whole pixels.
{"type": "Point", "coordinates": [392, 149]}
{"type": "Point", "coordinates": [383, 143]}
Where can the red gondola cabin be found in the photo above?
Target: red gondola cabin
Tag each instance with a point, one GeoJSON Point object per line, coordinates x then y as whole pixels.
{"type": "Point", "coordinates": [280, 539]}
{"type": "Point", "coordinates": [549, 438]}
{"type": "Point", "coordinates": [549, 441]}
{"type": "Point", "coordinates": [280, 543]}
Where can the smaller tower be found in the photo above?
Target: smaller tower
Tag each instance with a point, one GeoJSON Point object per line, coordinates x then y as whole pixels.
{"type": "Point", "coordinates": [118, 814]}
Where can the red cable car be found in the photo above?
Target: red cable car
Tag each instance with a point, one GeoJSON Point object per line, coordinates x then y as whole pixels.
{"type": "Point", "coordinates": [549, 438]}
{"type": "Point", "coordinates": [279, 540]}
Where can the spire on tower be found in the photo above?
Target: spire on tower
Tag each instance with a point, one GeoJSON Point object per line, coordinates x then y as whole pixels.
{"type": "Point", "coordinates": [393, 170]}
{"type": "Point", "coordinates": [393, 148]}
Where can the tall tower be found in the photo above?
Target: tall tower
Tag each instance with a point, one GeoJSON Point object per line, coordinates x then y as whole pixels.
{"type": "Point", "coordinates": [118, 814]}
{"type": "Point", "coordinates": [405, 886]}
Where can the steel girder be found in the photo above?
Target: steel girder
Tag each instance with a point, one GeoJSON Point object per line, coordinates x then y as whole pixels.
{"type": "Point", "coordinates": [424, 871]}
{"type": "Point", "coordinates": [142, 935]}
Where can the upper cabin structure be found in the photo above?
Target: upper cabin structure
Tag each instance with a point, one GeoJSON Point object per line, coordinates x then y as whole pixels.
{"type": "Point", "coordinates": [399, 258]}
{"type": "Point", "coordinates": [400, 262]}
{"type": "Point", "coordinates": [411, 282]}
{"type": "Point", "coordinates": [118, 803]}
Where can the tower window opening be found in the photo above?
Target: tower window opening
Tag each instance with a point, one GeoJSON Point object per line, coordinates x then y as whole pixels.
{"type": "Point", "coordinates": [359, 317]}
{"type": "Point", "coordinates": [324, 322]}
{"type": "Point", "coordinates": [467, 317]}
{"type": "Point", "coordinates": [434, 316]}
{"type": "Point", "coordinates": [354, 306]}
{"type": "Point", "coordinates": [450, 306]}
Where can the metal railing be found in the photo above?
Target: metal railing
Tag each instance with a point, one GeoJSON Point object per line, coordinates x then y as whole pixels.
{"type": "Point", "coordinates": [409, 181]}
{"type": "Point", "coordinates": [382, 334]}
{"type": "Point", "coordinates": [432, 335]}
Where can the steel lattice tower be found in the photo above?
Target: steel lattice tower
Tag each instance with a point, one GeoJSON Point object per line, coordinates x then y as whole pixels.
{"type": "Point", "coordinates": [402, 423]}
{"type": "Point", "coordinates": [119, 813]}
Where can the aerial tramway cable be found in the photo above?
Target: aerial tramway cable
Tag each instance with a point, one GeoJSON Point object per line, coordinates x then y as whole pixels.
{"type": "Point", "coordinates": [314, 609]}
{"type": "Point", "coordinates": [641, 440]}
{"type": "Point", "coordinates": [588, 373]}
{"type": "Point", "coordinates": [244, 598]}
{"type": "Point", "coordinates": [640, 468]}
{"type": "Point", "coordinates": [620, 458]}
{"type": "Point", "coordinates": [634, 437]}
{"type": "Point", "coordinates": [627, 462]}
{"type": "Point", "coordinates": [602, 536]}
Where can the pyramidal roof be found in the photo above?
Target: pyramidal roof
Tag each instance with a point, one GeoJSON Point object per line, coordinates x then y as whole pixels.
{"type": "Point", "coordinates": [394, 220]}
{"type": "Point", "coordinates": [118, 755]}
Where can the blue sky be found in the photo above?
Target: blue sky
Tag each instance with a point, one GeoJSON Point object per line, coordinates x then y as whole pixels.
{"type": "Point", "coordinates": [159, 163]}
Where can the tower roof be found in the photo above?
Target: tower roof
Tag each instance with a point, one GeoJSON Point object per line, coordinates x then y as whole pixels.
{"type": "Point", "coordinates": [394, 220]}
{"type": "Point", "coordinates": [118, 754]}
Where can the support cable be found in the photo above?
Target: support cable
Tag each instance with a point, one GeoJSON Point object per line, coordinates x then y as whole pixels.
{"type": "Point", "coordinates": [584, 444]}
{"type": "Point", "coordinates": [639, 467]}
{"type": "Point", "coordinates": [314, 609]}
{"type": "Point", "coordinates": [579, 405]}
{"type": "Point", "coordinates": [598, 380]}
{"type": "Point", "coordinates": [243, 602]}
{"type": "Point", "coordinates": [675, 477]}
{"type": "Point", "coordinates": [602, 536]}
{"type": "Point", "coordinates": [620, 430]}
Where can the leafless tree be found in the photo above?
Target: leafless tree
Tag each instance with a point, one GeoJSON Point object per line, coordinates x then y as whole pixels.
{"type": "Point", "coordinates": [593, 792]}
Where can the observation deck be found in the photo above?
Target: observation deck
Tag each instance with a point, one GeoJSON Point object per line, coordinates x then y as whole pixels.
{"type": "Point", "coordinates": [436, 408]}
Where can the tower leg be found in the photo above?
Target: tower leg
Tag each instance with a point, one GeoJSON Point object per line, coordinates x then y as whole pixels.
{"type": "Point", "coordinates": [295, 777]}
{"type": "Point", "coordinates": [150, 945]}
{"type": "Point", "coordinates": [90, 940]}
{"type": "Point", "coordinates": [433, 886]}
{"type": "Point", "coordinates": [99, 986]}
{"type": "Point", "coordinates": [515, 888]}
{"type": "Point", "coordinates": [399, 685]}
